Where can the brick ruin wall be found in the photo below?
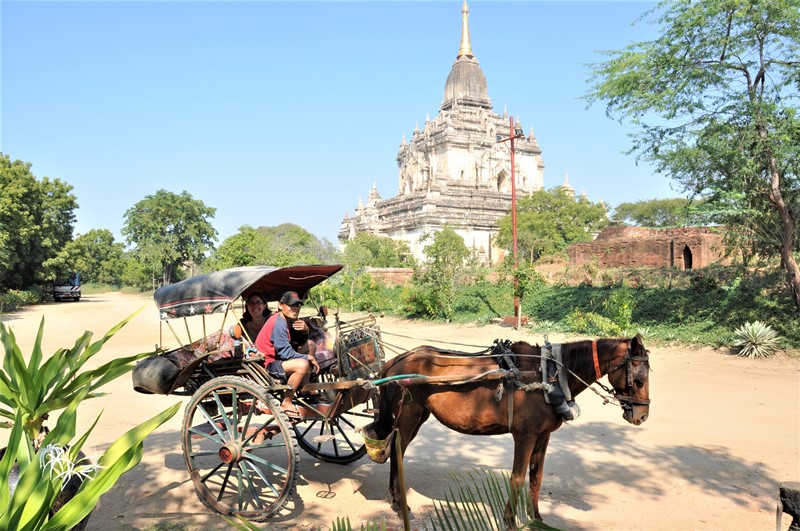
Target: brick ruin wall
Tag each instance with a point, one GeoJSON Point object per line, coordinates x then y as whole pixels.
{"type": "Point", "coordinates": [392, 276]}
{"type": "Point", "coordinates": [687, 248]}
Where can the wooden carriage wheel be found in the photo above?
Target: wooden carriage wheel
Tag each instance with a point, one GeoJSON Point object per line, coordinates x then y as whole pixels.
{"type": "Point", "coordinates": [239, 448]}
{"type": "Point", "coordinates": [334, 437]}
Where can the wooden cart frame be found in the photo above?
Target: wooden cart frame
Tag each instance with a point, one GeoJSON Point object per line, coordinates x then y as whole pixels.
{"type": "Point", "coordinates": [240, 449]}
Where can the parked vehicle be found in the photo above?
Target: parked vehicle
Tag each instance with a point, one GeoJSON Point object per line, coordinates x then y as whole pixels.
{"type": "Point", "coordinates": [67, 288]}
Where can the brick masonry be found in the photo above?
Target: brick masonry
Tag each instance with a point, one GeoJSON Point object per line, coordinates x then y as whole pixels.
{"type": "Point", "coordinates": [625, 246]}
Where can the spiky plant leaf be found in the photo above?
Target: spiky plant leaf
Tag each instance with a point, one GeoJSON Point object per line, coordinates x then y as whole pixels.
{"type": "Point", "coordinates": [478, 502]}
{"type": "Point", "coordinates": [756, 340]}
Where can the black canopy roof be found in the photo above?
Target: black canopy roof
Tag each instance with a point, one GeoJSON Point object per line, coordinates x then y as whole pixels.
{"type": "Point", "coordinates": [213, 292]}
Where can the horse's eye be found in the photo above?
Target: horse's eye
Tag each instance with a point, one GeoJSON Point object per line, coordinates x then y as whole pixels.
{"type": "Point", "coordinates": [638, 383]}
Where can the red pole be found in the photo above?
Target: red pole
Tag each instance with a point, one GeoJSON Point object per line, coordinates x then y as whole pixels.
{"type": "Point", "coordinates": [514, 221]}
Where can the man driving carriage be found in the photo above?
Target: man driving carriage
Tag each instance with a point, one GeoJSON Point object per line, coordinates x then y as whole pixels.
{"type": "Point", "coordinates": [283, 358]}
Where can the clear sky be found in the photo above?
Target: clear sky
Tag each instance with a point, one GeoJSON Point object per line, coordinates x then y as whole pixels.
{"type": "Point", "coordinates": [287, 112]}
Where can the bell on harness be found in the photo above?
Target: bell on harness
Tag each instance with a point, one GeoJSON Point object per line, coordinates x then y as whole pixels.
{"type": "Point", "coordinates": [568, 410]}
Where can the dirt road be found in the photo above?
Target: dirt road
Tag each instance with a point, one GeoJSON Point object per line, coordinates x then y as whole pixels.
{"type": "Point", "coordinates": [723, 433]}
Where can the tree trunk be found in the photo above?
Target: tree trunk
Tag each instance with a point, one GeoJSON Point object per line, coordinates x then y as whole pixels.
{"type": "Point", "coordinates": [787, 229]}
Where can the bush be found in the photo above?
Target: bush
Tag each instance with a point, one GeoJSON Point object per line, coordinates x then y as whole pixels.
{"type": "Point", "coordinates": [619, 307]}
{"type": "Point", "coordinates": [15, 299]}
{"type": "Point", "coordinates": [592, 324]}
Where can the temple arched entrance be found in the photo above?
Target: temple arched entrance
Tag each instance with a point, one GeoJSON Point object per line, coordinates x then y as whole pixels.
{"type": "Point", "coordinates": [687, 258]}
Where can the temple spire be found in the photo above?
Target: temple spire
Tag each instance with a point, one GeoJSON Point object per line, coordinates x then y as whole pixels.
{"type": "Point", "coordinates": [465, 50]}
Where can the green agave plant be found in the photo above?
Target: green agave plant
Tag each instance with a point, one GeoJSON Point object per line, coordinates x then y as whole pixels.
{"type": "Point", "coordinates": [44, 461]}
{"type": "Point", "coordinates": [756, 340]}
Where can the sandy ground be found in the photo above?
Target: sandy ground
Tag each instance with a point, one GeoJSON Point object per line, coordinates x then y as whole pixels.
{"type": "Point", "coordinates": [723, 433]}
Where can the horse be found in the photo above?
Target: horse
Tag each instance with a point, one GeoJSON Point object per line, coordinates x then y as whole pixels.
{"type": "Point", "coordinates": [473, 394]}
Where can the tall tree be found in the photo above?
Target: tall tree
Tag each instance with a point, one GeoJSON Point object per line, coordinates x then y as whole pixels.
{"type": "Point", "coordinates": [36, 221]}
{"type": "Point", "coordinates": [714, 104]}
{"type": "Point", "coordinates": [95, 255]}
{"type": "Point", "coordinates": [550, 220]}
{"type": "Point", "coordinates": [169, 229]}
{"type": "Point", "coordinates": [283, 245]}
{"type": "Point", "coordinates": [372, 250]}
{"type": "Point", "coordinates": [673, 212]}
{"type": "Point", "coordinates": [435, 282]}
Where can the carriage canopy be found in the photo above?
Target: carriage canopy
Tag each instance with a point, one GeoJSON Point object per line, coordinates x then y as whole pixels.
{"type": "Point", "coordinates": [213, 292]}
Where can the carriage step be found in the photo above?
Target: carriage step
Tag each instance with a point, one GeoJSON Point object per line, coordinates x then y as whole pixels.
{"type": "Point", "coordinates": [319, 439]}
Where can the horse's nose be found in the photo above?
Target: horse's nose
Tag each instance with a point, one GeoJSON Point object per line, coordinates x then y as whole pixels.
{"type": "Point", "coordinates": [643, 418]}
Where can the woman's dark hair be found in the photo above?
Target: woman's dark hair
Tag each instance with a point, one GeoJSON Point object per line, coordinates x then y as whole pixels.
{"type": "Point", "coordinates": [246, 317]}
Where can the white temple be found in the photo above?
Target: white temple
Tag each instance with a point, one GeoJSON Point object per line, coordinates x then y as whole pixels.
{"type": "Point", "coordinates": [454, 172]}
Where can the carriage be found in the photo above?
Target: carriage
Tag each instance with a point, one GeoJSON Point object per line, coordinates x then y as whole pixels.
{"type": "Point", "coordinates": [239, 447]}
{"type": "Point", "coordinates": [242, 450]}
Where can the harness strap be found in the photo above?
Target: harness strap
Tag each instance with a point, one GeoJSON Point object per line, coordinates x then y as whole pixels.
{"type": "Point", "coordinates": [596, 361]}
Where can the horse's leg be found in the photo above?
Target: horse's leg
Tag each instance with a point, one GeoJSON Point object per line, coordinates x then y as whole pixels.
{"type": "Point", "coordinates": [536, 471]}
{"type": "Point", "coordinates": [523, 444]}
{"type": "Point", "coordinates": [412, 416]}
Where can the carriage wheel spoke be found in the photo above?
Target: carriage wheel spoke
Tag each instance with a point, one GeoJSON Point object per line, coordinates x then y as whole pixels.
{"type": "Point", "coordinates": [224, 482]}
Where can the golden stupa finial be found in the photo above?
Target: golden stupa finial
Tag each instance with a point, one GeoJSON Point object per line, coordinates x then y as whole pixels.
{"type": "Point", "coordinates": [465, 50]}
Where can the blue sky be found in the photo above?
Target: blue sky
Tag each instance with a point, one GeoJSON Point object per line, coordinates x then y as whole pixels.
{"type": "Point", "coordinates": [287, 112]}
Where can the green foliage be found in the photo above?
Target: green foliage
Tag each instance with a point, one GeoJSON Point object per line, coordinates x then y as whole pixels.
{"type": "Point", "coordinates": [618, 307]}
{"type": "Point", "coordinates": [371, 250]}
{"type": "Point", "coordinates": [283, 245]}
{"type": "Point", "coordinates": [15, 299]}
{"type": "Point", "coordinates": [476, 501]}
{"type": "Point", "coordinates": [36, 220]}
{"type": "Point", "coordinates": [344, 525]}
{"type": "Point", "coordinates": [434, 284]}
{"type": "Point", "coordinates": [30, 392]}
{"type": "Point", "coordinates": [47, 460]}
{"type": "Point", "coordinates": [714, 104]}
{"type": "Point", "coordinates": [661, 213]}
{"type": "Point", "coordinates": [591, 323]}
{"type": "Point", "coordinates": [170, 230]}
{"type": "Point", "coordinates": [549, 221]}
{"type": "Point", "coordinates": [36, 490]}
{"type": "Point", "coordinates": [95, 255]}
{"type": "Point", "coordinates": [756, 340]}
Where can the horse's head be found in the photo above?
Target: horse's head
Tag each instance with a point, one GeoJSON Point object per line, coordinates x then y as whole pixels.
{"type": "Point", "coordinates": [629, 376]}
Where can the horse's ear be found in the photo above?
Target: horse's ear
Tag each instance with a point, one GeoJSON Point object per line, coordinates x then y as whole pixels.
{"type": "Point", "coordinates": [636, 343]}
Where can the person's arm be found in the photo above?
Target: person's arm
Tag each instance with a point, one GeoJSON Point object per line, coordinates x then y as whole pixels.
{"type": "Point", "coordinates": [281, 340]}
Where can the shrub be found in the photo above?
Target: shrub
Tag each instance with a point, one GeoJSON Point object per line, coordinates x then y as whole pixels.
{"type": "Point", "coordinates": [619, 307]}
{"type": "Point", "coordinates": [14, 299]}
{"type": "Point", "coordinates": [592, 324]}
{"type": "Point", "coordinates": [756, 340]}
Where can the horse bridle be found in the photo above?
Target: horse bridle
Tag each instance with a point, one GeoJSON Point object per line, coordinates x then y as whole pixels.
{"type": "Point", "coordinates": [628, 400]}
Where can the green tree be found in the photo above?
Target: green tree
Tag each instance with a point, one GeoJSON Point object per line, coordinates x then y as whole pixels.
{"type": "Point", "coordinates": [291, 244]}
{"type": "Point", "coordinates": [95, 255]}
{"type": "Point", "coordinates": [36, 221]}
{"type": "Point", "coordinates": [372, 250]}
{"type": "Point", "coordinates": [283, 245]}
{"type": "Point", "coordinates": [170, 230]}
{"type": "Point", "coordinates": [714, 104]}
{"type": "Point", "coordinates": [549, 221]}
{"type": "Point", "coordinates": [661, 213]}
{"type": "Point", "coordinates": [435, 282]}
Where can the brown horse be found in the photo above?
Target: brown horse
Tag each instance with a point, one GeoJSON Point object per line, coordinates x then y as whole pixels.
{"type": "Point", "coordinates": [471, 393]}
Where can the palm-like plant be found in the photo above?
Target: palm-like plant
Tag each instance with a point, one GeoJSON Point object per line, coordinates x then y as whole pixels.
{"type": "Point", "coordinates": [756, 340]}
{"type": "Point", "coordinates": [45, 461]}
{"type": "Point", "coordinates": [476, 502]}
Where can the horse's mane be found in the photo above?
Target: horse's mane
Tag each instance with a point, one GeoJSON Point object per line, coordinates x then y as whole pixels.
{"type": "Point", "coordinates": [578, 355]}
